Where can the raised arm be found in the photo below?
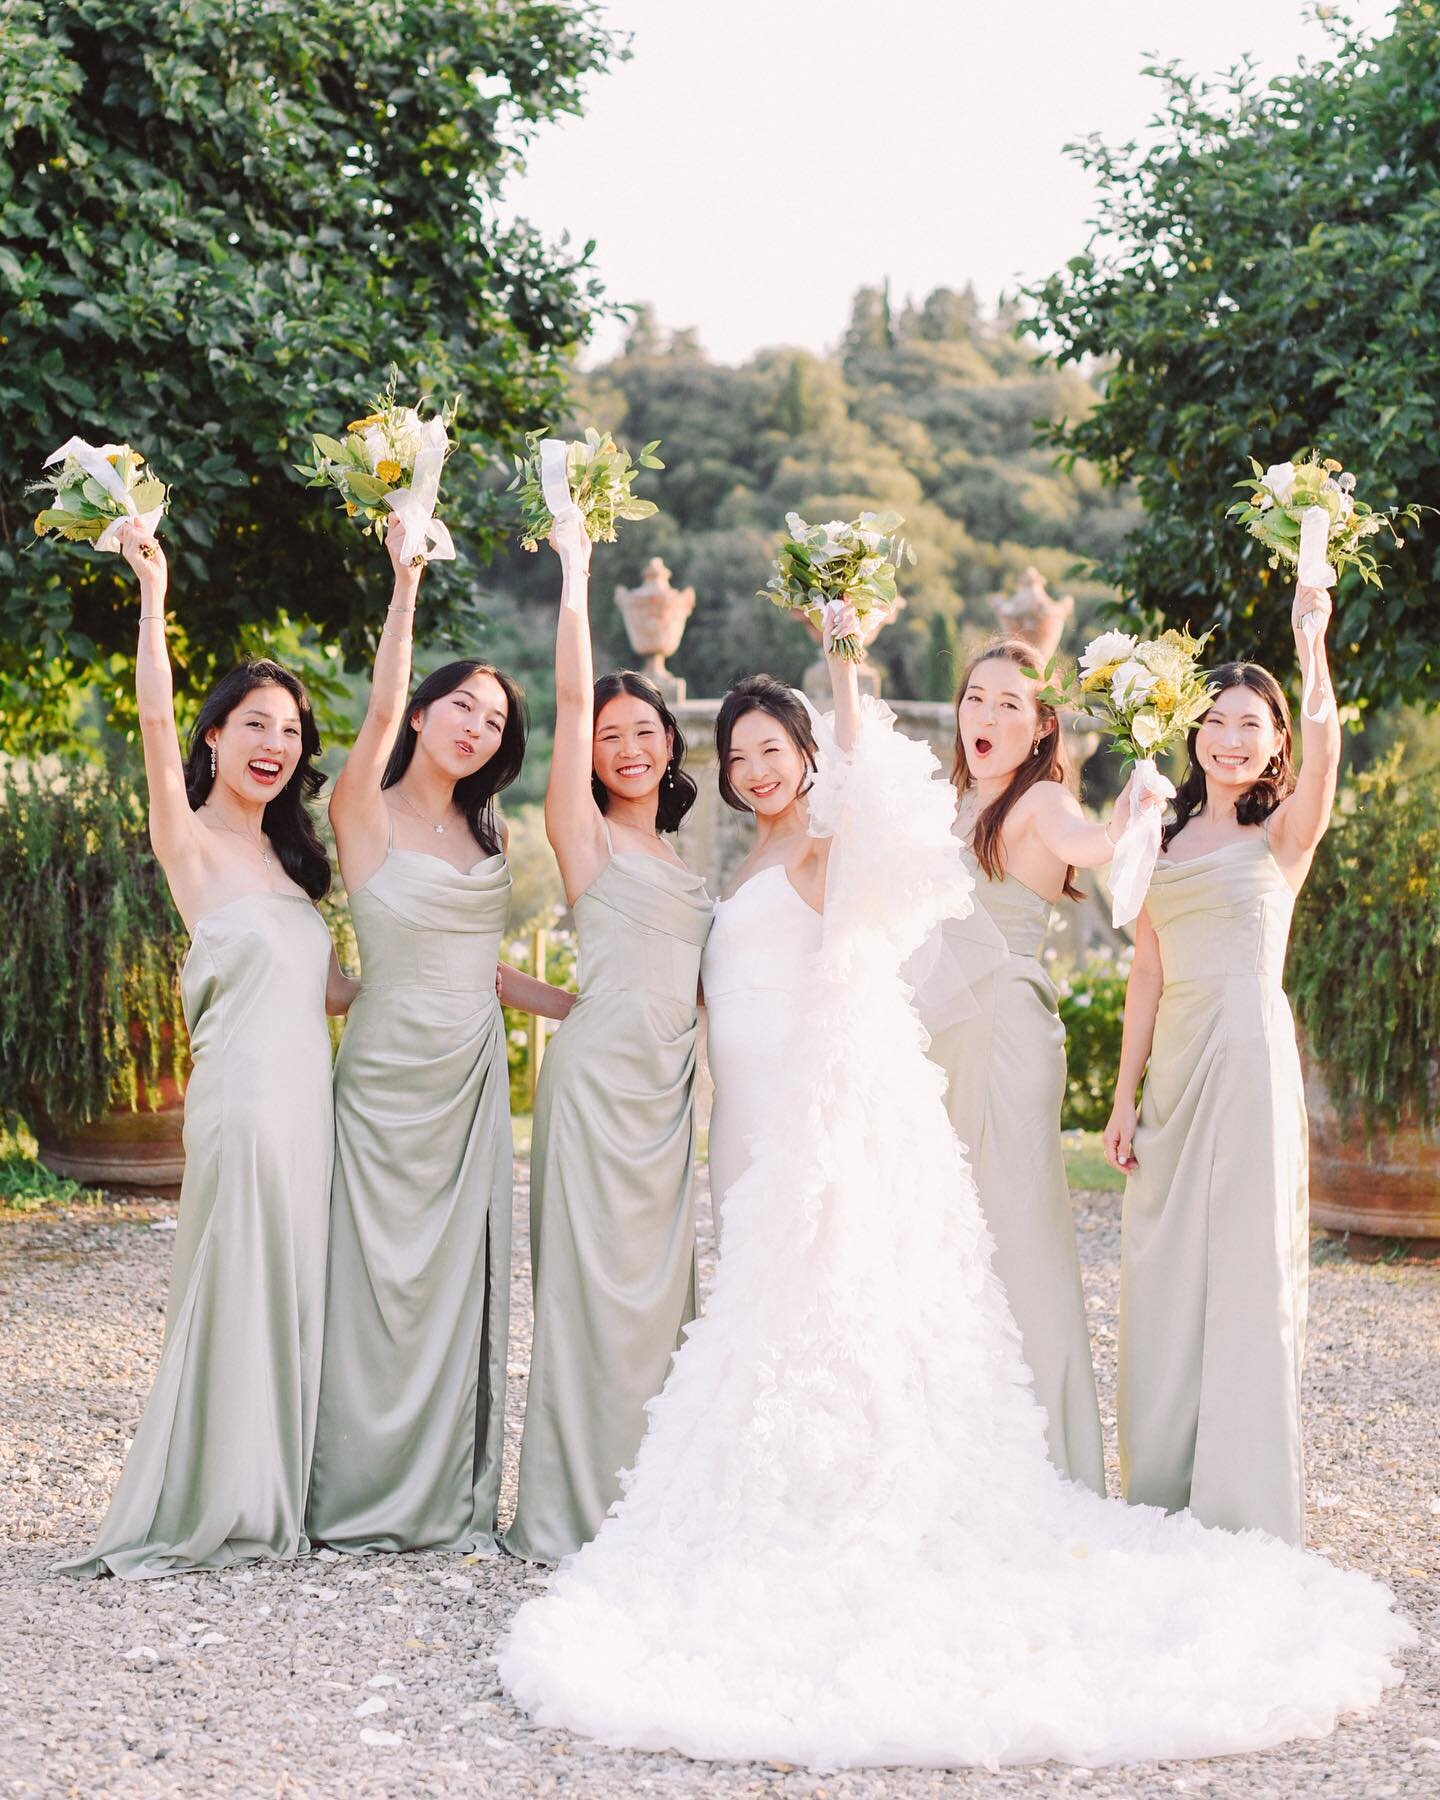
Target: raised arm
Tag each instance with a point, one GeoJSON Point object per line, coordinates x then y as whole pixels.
{"type": "Point", "coordinates": [1142, 1001]}
{"type": "Point", "coordinates": [1055, 817]}
{"type": "Point", "coordinates": [845, 689]}
{"type": "Point", "coordinates": [172, 823]}
{"type": "Point", "coordinates": [1298, 823]}
{"type": "Point", "coordinates": [572, 819]}
{"type": "Point", "coordinates": [357, 809]}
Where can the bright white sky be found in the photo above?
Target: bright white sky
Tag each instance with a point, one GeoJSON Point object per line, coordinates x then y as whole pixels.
{"type": "Point", "coordinates": [758, 160]}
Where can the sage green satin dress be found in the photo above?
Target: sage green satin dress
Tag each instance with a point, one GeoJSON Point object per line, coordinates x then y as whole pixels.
{"type": "Point", "coordinates": [1006, 1068]}
{"type": "Point", "coordinates": [217, 1471]}
{"type": "Point", "coordinates": [412, 1389]}
{"type": "Point", "coordinates": [612, 1211]}
{"type": "Point", "coordinates": [1215, 1245]}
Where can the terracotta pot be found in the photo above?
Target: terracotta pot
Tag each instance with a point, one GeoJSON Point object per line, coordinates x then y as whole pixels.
{"type": "Point", "coordinates": [131, 1152]}
{"type": "Point", "coordinates": [1389, 1189]}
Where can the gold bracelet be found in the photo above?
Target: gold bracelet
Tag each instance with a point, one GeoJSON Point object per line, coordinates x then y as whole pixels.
{"type": "Point", "coordinates": [155, 615]}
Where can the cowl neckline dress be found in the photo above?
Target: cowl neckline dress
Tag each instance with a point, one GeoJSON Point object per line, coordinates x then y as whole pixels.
{"type": "Point", "coordinates": [412, 1396]}
{"type": "Point", "coordinates": [612, 1211]}
{"type": "Point", "coordinates": [1005, 1064]}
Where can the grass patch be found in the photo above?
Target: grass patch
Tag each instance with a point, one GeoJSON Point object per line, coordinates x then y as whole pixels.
{"type": "Point", "coordinates": [1085, 1166]}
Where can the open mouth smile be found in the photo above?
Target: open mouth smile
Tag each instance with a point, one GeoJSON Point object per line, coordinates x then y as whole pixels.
{"type": "Point", "coordinates": [263, 770]}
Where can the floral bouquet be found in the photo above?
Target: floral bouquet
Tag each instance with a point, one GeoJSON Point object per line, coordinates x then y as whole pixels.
{"type": "Point", "coordinates": [1306, 515]}
{"type": "Point", "coordinates": [1145, 694]}
{"type": "Point", "coordinates": [390, 462]}
{"type": "Point", "coordinates": [587, 484]}
{"type": "Point", "coordinates": [95, 489]}
{"type": "Point", "coordinates": [1275, 513]}
{"type": "Point", "coordinates": [839, 576]}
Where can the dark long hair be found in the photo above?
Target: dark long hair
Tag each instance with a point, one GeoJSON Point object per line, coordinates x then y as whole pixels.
{"type": "Point", "coordinates": [286, 820]}
{"type": "Point", "coordinates": [1257, 803]}
{"type": "Point", "coordinates": [677, 791]}
{"type": "Point", "coordinates": [474, 794]}
{"type": "Point", "coordinates": [760, 693]}
{"type": "Point", "coordinates": [1050, 762]}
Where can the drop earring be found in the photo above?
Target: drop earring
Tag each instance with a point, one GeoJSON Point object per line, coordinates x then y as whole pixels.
{"type": "Point", "coordinates": [214, 763]}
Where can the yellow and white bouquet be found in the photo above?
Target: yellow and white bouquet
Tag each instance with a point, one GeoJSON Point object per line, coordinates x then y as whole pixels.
{"type": "Point", "coordinates": [1284, 496]}
{"type": "Point", "coordinates": [841, 576]}
{"type": "Point", "coordinates": [1145, 694]}
{"type": "Point", "coordinates": [95, 489]}
{"type": "Point", "coordinates": [390, 462]}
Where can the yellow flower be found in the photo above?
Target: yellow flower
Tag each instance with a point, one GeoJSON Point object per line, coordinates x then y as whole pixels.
{"type": "Point", "coordinates": [350, 509]}
{"type": "Point", "coordinates": [363, 424]}
{"type": "Point", "coordinates": [1098, 678]}
{"type": "Point", "coordinates": [1164, 696]}
{"type": "Point", "coordinates": [387, 470]}
{"type": "Point", "coordinates": [40, 526]}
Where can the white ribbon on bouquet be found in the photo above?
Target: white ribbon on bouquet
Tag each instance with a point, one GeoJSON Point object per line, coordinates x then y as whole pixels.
{"type": "Point", "coordinates": [1314, 571]}
{"type": "Point", "coordinates": [94, 460]}
{"type": "Point", "coordinates": [1134, 861]}
{"type": "Point", "coordinates": [568, 530]}
{"type": "Point", "coordinates": [426, 539]}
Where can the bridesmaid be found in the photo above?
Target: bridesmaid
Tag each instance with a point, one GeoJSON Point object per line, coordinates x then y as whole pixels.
{"type": "Point", "coordinates": [412, 1393]}
{"type": "Point", "coordinates": [1002, 1045]}
{"type": "Point", "coordinates": [1215, 1242]}
{"type": "Point", "coordinates": [612, 1220]}
{"type": "Point", "coordinates": [217, 1471]}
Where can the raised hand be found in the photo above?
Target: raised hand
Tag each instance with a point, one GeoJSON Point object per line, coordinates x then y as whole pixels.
{"type": "Point", "coordinates": [1311, 601]}
{"type": "Point", "coordinates": [141, 549]}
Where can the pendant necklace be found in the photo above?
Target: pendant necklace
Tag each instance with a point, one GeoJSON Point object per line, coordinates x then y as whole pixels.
{"type": "Point", "coordinates": [259, 843]}
{"type": "Point", "coordinates": [407, 802]}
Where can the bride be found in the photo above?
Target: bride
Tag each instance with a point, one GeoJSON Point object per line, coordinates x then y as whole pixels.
{"type": "Point", "coordinates": [842, 1542]}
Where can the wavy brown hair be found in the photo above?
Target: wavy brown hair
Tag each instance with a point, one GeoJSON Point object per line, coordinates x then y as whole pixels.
{"type": "Point", "coordinates": [1257, 803]}
{"type": "Point", "coordinates": [1050, 762]}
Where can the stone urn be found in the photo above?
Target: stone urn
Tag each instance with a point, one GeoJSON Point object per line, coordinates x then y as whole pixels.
{"type": "Point", "coordinates": [1031, 614]}
{"type": "Point", "coordinates": [816, 679]}
{"type": "Point", "coordinates": [655, 614]}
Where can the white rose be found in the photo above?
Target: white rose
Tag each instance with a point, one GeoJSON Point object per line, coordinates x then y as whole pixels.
{"type": "Point", "coordinates": [377, 446]}
{"type": "Point", "coordinates": [1280, 479]}
{"type": "Point", "coordinates": [1130, 683]}
{"type": "Point", "coordinates": [1145, 729]}
{"type": "Point", "coordinates": [1109, 647]}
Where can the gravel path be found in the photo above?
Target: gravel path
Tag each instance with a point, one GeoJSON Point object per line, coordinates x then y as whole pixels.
{"type": "Point", "coordinates": [333, 1678]}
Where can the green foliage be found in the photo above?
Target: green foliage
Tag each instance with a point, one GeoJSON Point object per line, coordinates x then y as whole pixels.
{"type": "Point", "coordinates": [219, 224]}
{"type": "Point", "coordinates": [937, 428]}
{"type": "Point", "coordinates": [1364, 963]}
{"type": "Point", "coordinates": [26, 1184]}
{"type": "Point", "coordinates": [1092, 1010]}
{"type": "Point", "coordinates": [1262, 275]}
{"type": "Point", "coordinates": [90, 1010]}
{"type": "Point", "coordinates": [601, 479]}
{"type": "Point", "coordinates": [561, 965]}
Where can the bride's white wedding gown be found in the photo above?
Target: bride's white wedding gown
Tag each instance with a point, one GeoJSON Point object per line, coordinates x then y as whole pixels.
{"type": "Point", "coordinates": [843, 1541]}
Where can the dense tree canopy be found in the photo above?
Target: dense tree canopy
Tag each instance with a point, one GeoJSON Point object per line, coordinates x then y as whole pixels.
{"type": "Point", "coordinates": [219, 223]}
{"type": "Point", "coordinates": [931, 412]}
{"type": "Point", "coordinates": [1265, 275]}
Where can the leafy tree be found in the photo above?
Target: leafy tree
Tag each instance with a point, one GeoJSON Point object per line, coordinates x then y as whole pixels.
{"type": "Point", "coordinates": [219, 223]}
{"type": "Point", "coordinates": [938, 427]}
{"type": "Point", "coordinates": [1264, 277]}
